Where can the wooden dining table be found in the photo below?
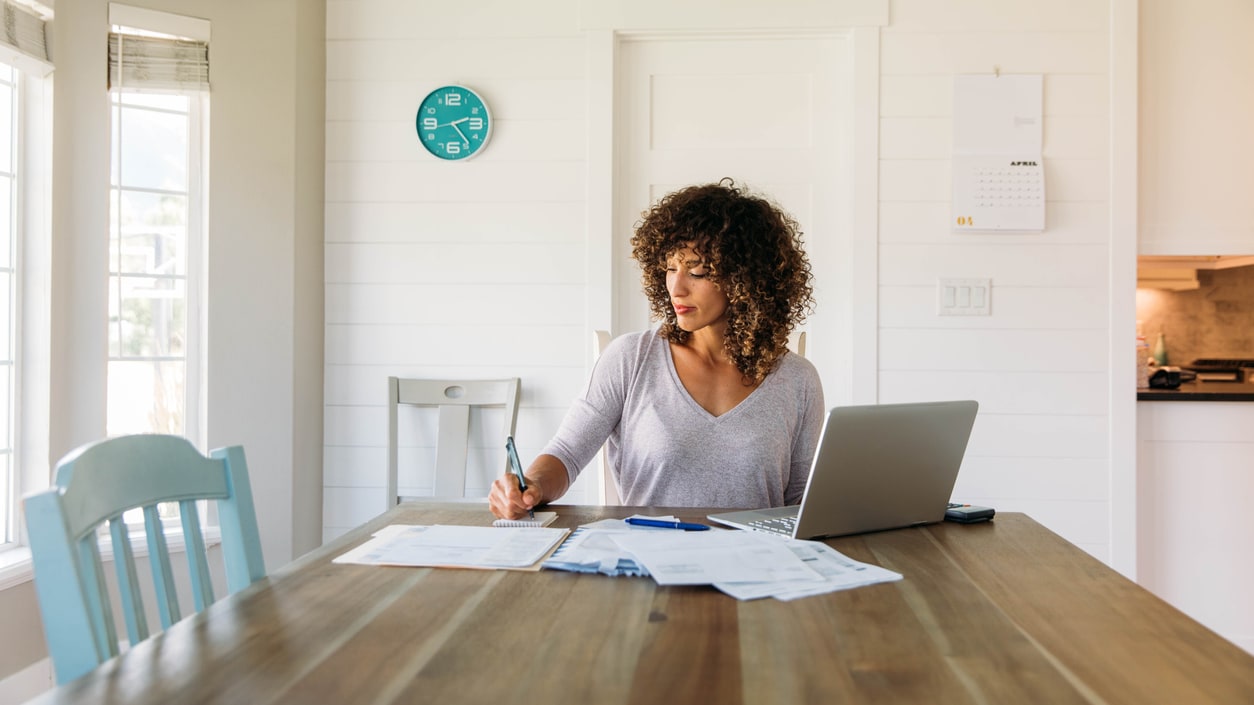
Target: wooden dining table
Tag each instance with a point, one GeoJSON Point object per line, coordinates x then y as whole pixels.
{"type": "Point", "coordinates": [999, 612]}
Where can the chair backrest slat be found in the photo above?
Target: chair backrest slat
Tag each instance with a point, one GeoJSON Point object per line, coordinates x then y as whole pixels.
{"type": "Point", "coordinates": [162, 574]}
{"type": "Point", "coordinates": [103, 630]}
{"type": "Point", "coordinates": [450, 451]}
{"type": "Point", "coordinates": [128, 581]}
{"type": "Point", "coordinates": [98, 483]}
{"type": "Point", "coordinates": [197, 565]}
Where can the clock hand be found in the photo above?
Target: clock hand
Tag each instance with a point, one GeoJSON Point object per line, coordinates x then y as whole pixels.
{"type": "Point", "coordinates": [453, 123]}
{"type": "Point", "coordinates": [459, 131]}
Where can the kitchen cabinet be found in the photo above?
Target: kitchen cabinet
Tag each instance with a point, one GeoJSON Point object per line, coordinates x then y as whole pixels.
{"type": "Point", "coordinates": [1196, 109]}
{"type": "Point", "coordinates": [1195, 530]}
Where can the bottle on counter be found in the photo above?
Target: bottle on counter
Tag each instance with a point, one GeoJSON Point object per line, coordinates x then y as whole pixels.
{"type": "Point", "coordinates": [1160, 350]}
{"type": "Point", "coordinates": [1142, 359]}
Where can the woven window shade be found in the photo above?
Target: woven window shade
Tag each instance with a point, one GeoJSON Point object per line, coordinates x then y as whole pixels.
{"type": "Point", "coordinates": [23, 30]}
{"type": "Point", "coordinates": [157, 63]}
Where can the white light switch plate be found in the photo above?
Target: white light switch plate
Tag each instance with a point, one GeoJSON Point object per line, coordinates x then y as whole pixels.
{"type": "Point", "coordinates": [964, 297]}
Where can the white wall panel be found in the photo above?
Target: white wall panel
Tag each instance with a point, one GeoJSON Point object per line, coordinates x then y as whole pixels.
{"type": "Point", "coordinates": [350, 506]}
{"type": "Point", "coordinates": [914, 180]}
{"type": "Point", "coordinates": [1200, 422]}
{"type": "Point", "coordinates": [1083, 523]}
{"type": "Point", "coordinates": [460, 183]}
{"type": "Point", "coordinates": [451, 263]}
{"type": "Point", "coordinates": [455, 60]}
{"type": "Point", "coordinates": [931, 95]}
{"type": "Point", "coordinates": [1001, 392]}
{"type": "Point", "coordinates": [406, 19]}
{"type": "Point", "coordinates": [931, 137]}
{"type": "Point", "coordinates": [1007, 350]}
{"type": "Point", "coordinates": [1025, 307]}
{"type": "Point", "coordinates": [998, 16]}
{"type": "Point", "coordinates": [447, 304]}
{"type": "Point", "coordinates": [1068, 179]}
{"type": "Point", "coordinates": [1041, 265]}
{"type": "Point", "coordinates": [948, 53]}
{"type": "Point", "coordinates": [989, 477]}
{"type": "Point", "coordinates": [355, 466]}
{"type": "Point", "coordinates": [486, 223]}
{"type": "Point", "coordinates": [1198, 455]}
{"type": "Point", "coordinates": [1039, 436]}
{"type": "Point", "coordinates": [1067, 223]}
{"type": "Point", "coordinates": [477, 343]}
{"type": "Point", "coordinates": [916, 137]}
{"type": "Point", "coordinates": [1075, 136]}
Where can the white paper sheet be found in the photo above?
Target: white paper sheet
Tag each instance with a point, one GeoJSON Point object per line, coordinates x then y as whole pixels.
{"type": "Point", "coordinates": [456, 546]}
{"type": "Point", "coordinates": [706, 557]}
{"type": "Point", "coordinates": [836, 571]}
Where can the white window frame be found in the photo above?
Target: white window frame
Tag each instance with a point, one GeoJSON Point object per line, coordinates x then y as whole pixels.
{"type": "Point", "coordinates": [32, 259]}
{"type": "Point", "coordinates": [194, 280]}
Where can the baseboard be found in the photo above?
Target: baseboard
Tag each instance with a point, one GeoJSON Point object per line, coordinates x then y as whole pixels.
{"type": "Point", "coordinates": [26, 683]}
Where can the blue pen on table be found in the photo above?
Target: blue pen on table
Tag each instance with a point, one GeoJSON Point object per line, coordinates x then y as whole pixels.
{"type": "Point", "coordinates": [666, 524]}
{"type": "Point", "coordinates": [516, 466]}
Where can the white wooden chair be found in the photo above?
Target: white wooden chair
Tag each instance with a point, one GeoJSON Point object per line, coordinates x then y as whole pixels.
{"type": "Point", "coordinates": [454, 399]}
{"type": "Point", "coordinates": [607, 489]}
{"type": "Point", "coordinates": [797, 342]}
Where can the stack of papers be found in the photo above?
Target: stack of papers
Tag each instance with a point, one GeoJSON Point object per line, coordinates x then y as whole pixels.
{"type": "Point", "coordinates": [591, 549]}
{"type": "Point", "coordinates": [456, 547]}
{"type": "Point", "coordinates": [835, 571]}
{"type": "Point", "coordinates": [743, 564]}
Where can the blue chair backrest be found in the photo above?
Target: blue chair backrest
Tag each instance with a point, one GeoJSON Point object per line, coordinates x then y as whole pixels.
{"type": "Point", "coordinates": [96, 484]}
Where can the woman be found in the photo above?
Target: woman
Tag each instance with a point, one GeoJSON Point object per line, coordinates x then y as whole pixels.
{"type": "Point", "coordinates": [708, 409]}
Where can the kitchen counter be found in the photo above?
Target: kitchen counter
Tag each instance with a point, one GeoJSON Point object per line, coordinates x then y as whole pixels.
{"type": "Point", "coordinates": [1200, 391]}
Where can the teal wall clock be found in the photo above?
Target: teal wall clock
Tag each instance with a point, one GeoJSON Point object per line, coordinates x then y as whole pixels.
{"type": "Point", "coordinates": [453, 123]}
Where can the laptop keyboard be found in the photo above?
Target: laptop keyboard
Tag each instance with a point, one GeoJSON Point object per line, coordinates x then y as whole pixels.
{"type": "Point", "coordinates": [779, 525]}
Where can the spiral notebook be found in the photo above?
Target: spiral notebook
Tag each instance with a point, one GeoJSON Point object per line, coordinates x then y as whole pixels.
{"type": "Point", "coordinates": [541, 519]}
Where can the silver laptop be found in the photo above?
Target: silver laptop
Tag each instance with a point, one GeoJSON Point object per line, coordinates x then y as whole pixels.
{"type": "Point", "coordinates": [877, 467]}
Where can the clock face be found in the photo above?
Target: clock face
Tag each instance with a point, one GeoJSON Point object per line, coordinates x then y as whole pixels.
{"type": "Point", "coordinates": [453, 123]}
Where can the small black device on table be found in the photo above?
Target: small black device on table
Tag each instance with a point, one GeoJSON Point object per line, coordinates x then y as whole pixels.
{"type": "Point", "coordinates": [967, 513]}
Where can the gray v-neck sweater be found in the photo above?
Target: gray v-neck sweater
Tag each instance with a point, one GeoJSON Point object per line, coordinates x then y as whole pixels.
{"type": "Point", "coordinates": [666, 450]}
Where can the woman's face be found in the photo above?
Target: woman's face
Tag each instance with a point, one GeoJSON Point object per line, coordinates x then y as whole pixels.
{"type": "Point", "coordinates": [697, 301]}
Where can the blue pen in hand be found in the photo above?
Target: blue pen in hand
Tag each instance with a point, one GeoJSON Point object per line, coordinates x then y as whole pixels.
{"type": "Point", "coordinates": [516, 466]}
{"type": "Point", "coordinates": [665, 524]}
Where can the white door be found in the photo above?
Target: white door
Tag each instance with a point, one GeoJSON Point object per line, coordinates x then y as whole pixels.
{"type": "Point", "coordinates": [773, 114]}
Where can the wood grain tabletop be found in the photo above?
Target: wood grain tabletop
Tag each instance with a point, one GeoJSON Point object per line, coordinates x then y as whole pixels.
{"type": "Point", "coordinates": [1004, 611]}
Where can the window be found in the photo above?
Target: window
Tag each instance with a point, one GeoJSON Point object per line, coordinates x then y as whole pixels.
{"type": "Point", "coordinates": [154, 242]}
{"type": "Point", "coordinates": [158, 79]}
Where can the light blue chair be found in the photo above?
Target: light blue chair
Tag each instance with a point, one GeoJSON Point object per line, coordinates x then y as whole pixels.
{"type": "Point", "coordinates": [97, 483]}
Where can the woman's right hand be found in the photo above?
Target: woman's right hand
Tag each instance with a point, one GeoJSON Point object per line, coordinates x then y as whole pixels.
{"type": "Point", "coordinates": [508, 502]}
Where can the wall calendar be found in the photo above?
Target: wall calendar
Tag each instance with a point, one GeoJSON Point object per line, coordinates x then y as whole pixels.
{"type": "Point", "coordinates": [998, 174]}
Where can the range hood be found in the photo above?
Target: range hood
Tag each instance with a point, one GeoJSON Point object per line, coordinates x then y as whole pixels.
{"type": "Point", "coordinates": [1179, 272]}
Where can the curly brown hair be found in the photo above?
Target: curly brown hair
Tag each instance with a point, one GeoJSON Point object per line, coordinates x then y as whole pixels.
{"type": "Point", "coordinates": [752, 250]}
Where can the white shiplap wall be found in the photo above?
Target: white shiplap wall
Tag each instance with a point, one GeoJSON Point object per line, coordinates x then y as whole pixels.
{"type": "Point", "coordinates": [1038, 364]}
{"type": "Point", "coordinates": [479, 268]}
{"type": "Point", "coordinates": [473, 269]}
